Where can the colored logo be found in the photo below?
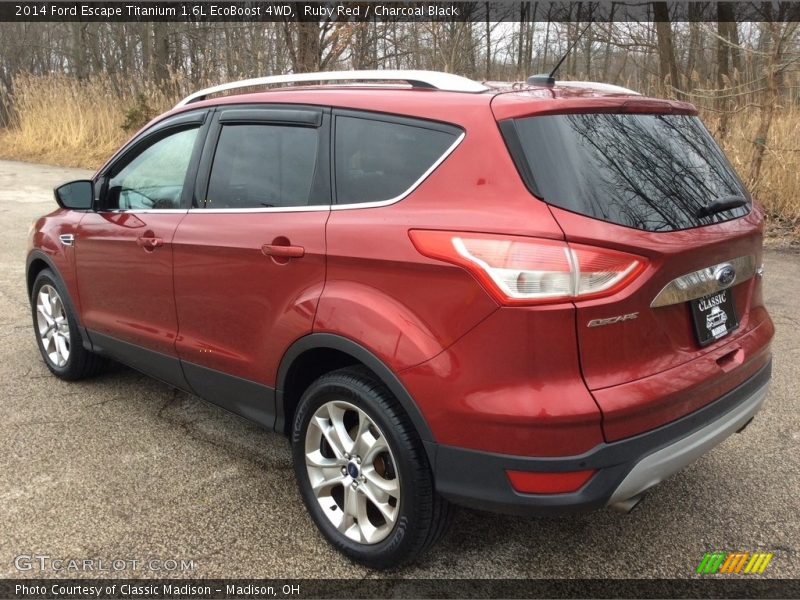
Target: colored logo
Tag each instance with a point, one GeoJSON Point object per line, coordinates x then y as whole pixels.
{"type": "Point", "coordinates": [734, 562]}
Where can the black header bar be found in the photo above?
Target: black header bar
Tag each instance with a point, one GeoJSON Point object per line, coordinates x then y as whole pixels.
{"type": "Point", "coordinates": [202, 589]}
{"type": "Point", "coordinates": [221, 11]}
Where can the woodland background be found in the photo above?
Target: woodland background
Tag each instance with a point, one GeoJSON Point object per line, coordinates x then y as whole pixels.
{"type": "Point", "coordinates": [71, 93]}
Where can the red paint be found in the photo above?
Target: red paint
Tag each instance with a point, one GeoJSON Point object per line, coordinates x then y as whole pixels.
{"type": "Point", "coordinates": [125, 287]}
{"type": "Point", "coordinates": [511, 385]}
{"type": "Point", "coordinates": [238, 308]}
{"type": "Point", "coordinates": [43, 237]}
{"type": "Point", "coordinates": [645, 403]}
{"type": "Point", "coordinates": [662, 340]}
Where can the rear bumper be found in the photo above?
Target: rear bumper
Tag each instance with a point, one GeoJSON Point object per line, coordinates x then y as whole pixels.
{"type": "Point", "coordinates": [624, 468]}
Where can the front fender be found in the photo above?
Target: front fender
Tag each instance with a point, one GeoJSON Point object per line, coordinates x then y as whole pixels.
{"type": "Point", "coordinates": [46, 249]}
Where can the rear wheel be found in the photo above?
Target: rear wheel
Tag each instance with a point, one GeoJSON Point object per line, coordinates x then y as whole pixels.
{"type": "Point", "coordinates": [57, 333]}
{"type": "Point", "coordinates": [363, 473]}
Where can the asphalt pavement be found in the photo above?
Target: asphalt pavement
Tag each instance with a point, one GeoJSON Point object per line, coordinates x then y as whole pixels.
{"type": "Point", "coordinates": [122, 467]}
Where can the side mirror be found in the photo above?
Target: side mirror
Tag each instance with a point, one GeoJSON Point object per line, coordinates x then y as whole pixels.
{"type": "Point", "coordinates": [75, 195]}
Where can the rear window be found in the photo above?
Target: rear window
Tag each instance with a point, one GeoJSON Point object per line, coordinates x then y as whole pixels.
{"type": "Point", "coordinates": [382, 160]}
{"type": "Point", "coordinates": [649, 172]}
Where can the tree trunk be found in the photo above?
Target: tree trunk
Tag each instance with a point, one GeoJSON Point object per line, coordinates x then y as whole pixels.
{"type": "Point", "coordinates": [668, 69]}
{"type": "Point", "coordinates": [160, 54]}
{"type": "Point", "coordinates": [726, 32]}
{"type": "Point", "coordinates": [770, 99]}
{"type": "Point", "coordinates": [488, 74]}
{"type": "Point", "coordinates": [79, 61]}
{"type": "Point", "coordinates": [307, 48]}
{"type": "Point", "coordinates": [523, 24]}
{"type": "Point", "coordinates": [692, 77]}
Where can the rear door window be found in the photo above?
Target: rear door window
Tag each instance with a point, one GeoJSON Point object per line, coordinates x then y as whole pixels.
{"type": "Point", "coordinates": [382, 160]}
{"type": "Point", "coordinates": [263, 166]}
{"type": "Point", "coordinates": [649, 172]}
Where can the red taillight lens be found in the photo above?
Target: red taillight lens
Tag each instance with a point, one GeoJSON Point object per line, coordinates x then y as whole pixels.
{"type": "Point", "coordinates": [520, 270]}
{"type": "Point", "coordinates": [529, 482]}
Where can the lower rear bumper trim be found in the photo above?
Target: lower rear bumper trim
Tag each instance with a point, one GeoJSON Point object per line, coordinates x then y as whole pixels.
{"type": "Point", "coordinates": [625, 468]}
{"type": "Point", "coordinates": [659, 465]}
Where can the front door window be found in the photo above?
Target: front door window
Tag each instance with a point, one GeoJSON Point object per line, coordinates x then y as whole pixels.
{"type": "Point", "coordinates": [154, 179]}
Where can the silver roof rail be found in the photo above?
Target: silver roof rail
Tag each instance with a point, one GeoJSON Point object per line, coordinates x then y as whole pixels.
{"type": "Point", "coordinates": [600, 87]}
{"type": "Point", "coordinates": [418, 79]}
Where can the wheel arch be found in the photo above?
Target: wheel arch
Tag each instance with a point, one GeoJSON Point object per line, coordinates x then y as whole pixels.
{"type": "Point", "coordinates": [37, 262]}
{"type": "Point", "coordinates": [341, 352]}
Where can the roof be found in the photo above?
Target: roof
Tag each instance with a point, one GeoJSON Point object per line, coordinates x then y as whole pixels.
{"type": "Point", "coordinates": [430, 94]}
{"type": "Point", "coordinates": [433, 80]}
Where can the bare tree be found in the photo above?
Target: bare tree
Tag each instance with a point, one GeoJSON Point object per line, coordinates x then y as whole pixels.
{"type": "Point", "coordinates": [668, 68]}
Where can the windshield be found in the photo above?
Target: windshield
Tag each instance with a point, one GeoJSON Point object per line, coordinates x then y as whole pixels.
{"type": "Point", "coordinates": [649, 172]}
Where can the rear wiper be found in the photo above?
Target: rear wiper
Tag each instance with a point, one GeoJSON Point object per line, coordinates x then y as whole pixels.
{"type": "Point", "coordinates": [721, 204]}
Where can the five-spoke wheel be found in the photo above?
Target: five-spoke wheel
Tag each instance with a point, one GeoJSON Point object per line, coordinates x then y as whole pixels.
{"type": "Point", "coordinates": [51, 321]}
{"type": "Point", "coordinates": [352, 473]}
{"type": "Point", "coordinates": [57, 332]}
{"type": "Point", "coordinates": [363, 472]}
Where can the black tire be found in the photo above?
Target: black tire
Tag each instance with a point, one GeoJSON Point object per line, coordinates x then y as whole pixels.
{"type": "Point", "coordinates": [423, 516]}
{"type": "Point", "coordinates": [81, 363]}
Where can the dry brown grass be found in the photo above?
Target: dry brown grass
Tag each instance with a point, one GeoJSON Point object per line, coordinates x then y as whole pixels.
{"type": "Point", "coordinates": [778, 186]}
{"type": "Point", "coordinates": [62, 121]}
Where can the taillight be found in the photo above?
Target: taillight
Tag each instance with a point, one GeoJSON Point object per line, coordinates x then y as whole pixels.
{"type": "Point", "coordinates": [520, 270]}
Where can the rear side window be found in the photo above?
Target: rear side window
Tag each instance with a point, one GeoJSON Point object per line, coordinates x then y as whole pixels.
{"type": "Point", "coordinates": [649, 172]}
{"type": "Point", "coordinates": [378, 160]}
{"type": "Point", "coordinates": [263, 166]}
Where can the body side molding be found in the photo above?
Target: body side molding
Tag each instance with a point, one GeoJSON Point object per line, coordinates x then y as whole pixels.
{"type": "Point", "coordinates": [248, 399]}
{"type": "Point", "coordinates": [154, 364]}
{"type": "Point", "coordinates": [253, 401]}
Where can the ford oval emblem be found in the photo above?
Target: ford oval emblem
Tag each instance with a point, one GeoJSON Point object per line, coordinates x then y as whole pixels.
{"type": "Point", "coordinates": [725, 275]}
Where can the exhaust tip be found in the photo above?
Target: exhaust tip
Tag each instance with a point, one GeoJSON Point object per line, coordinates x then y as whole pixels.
{"type": "Point", "coordinates": [627, 506]}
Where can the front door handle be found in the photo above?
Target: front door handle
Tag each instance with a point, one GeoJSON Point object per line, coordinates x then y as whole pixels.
{"type": "Point", "coordinates": [150, 243]}
{"type": "Point", "coordinates": [283, 251]}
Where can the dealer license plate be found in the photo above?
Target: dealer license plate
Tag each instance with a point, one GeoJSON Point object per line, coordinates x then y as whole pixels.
{"type": "Point", "coordinates": [714, 316]}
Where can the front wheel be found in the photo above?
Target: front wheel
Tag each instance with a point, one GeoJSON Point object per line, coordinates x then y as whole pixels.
{"type": "Point", "coordinates": [57, 333]}
{"type": "Point", "coordinates": [363, 473]}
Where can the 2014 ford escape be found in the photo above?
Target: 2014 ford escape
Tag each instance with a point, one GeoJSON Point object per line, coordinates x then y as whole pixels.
{"type": "Point", "coordinates": [522, 298]}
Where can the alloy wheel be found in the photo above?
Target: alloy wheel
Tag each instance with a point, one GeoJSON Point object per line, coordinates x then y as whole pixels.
{"type": "Point", "coordinates": [53, 326]}
{"type": "Point", "coordinates": [352, 472]}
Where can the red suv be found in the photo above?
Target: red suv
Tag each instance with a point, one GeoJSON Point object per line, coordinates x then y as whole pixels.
{"type": "Point", "coordinates": [529, 298]}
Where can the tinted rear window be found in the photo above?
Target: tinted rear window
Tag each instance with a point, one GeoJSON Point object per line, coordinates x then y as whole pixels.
{"type": "Point", "coordinates": [380, 160]}
{"type": "Point", "coordinates": [650, 172]}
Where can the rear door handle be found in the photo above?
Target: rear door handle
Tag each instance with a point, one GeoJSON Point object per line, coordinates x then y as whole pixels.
{"type": "Point", "coordinates": [149, 243]}
{"type": "Point", "coordinates": [283, 251]}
